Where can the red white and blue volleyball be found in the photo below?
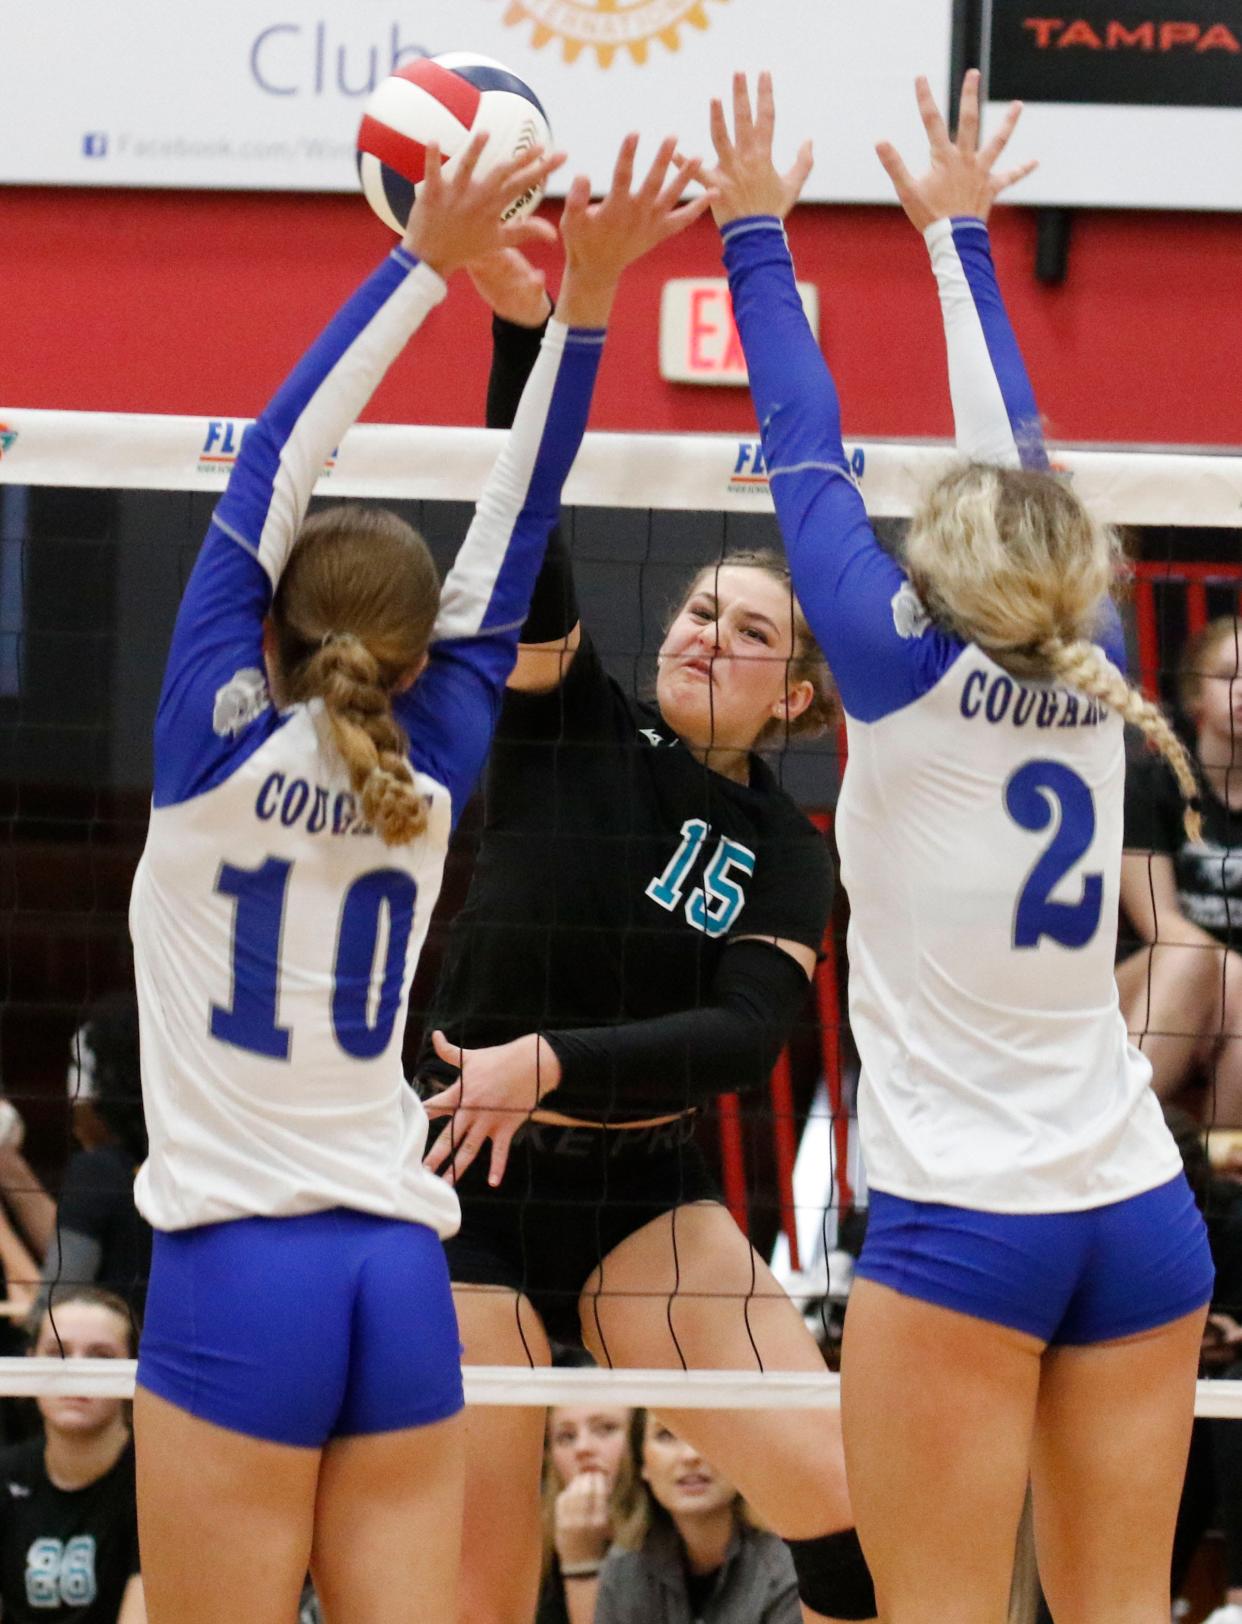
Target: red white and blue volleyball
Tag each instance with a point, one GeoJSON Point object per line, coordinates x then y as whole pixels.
{"type": "Point", "coordinates": [443, 101]}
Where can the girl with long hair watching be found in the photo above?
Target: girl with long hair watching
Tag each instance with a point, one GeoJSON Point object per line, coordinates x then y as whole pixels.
{"type": "Point", "coordinates": [68, 1521]}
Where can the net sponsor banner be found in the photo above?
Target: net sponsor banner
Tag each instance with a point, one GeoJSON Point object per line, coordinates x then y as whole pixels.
{"type": "Point", "coordinates": [706, 473]}
{"type": "Point", "coordinates": [247, 94]}
{"type": "Point", "coordinates": [1130, 103]}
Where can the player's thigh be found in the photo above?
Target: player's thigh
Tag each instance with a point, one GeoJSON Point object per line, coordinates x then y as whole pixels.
{"type": "Point", "coordinates": [225, 1521]}
{"type": "Point", "coordinates": [938, 1408]}
{"type": "Point", "coordinates": [1108, 1464]}
{"type": "Point", "coordinates": [689, 1289]}
{"type": "Point", "coordinates": [501, 1531]}
{"type": "Point", "coordinates": [388, 1519]}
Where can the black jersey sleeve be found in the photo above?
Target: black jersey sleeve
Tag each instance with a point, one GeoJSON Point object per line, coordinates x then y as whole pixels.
{"type": "Point", "coordinates": [728, 1044]}
{"type": "Point", "coordinates": [790, 895]}
{"type": "Point", "coordinates": [1153, 807]}
{"type": "Point", "coordinates": [553, 604]}
{"type": "Point", "coordinates": [586, 707]}
{"type": "Point", "coordinates": [95, 1188]}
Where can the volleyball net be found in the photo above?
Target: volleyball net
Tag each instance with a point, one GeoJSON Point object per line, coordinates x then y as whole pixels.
{"type": "Point", "coordinates": [100, 519]}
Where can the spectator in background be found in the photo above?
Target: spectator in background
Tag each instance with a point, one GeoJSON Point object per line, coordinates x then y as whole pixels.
{"type": "Point", "coordinates": [701, 1561]}
{"type": "Point", "coordinates": [99, 1236]}
{"type": "Point", "coordinates": [1182, 991]}
{"type": "Point", "coordinates": [68, 1519]}
{"type": "Point", "coordinates": [1212, 1495]}
{"type": "Point", "coordinates": [592, 1499]}
{"type": "Point", "coordinates": [96, 1235]}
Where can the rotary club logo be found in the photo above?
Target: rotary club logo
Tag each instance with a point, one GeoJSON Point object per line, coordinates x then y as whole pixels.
{"type": "Point", "coordinates": [609, 26]}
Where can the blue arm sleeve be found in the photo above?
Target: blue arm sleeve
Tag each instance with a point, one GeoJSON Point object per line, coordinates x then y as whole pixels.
{"type": "Point", "coordinates": [214, 708]}
{"type": "Point", "coordinates": [855, 597]}
{"type": "Point", "coordinates": [451, 711]}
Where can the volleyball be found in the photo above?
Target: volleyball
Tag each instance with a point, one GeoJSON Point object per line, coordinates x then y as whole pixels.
{"type": "Point", "coordinates": [444, 100]}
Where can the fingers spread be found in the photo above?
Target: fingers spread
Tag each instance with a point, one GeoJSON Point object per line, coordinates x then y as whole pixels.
{"type": "Point", "coordinates": [895, 169]}
{"type": "Point", "coordinates": [796, 175]}
{"type": "Point", "coordinates": [743, 123]}
{"type": "Point", "coordinates": [720, 132]}
{"type": "Point", "coordinates": [1000, 140]}
{"type": "Point", "coordinates": [451, 1052]}
{"type": "Point", "coordinates": [766, 123]}
{"type": "Point", "coordinates": [623, 170]}
{"type": "Point", "coordinates": [968, 115]}
{"type": "Point", "coordinates": [933, 119]}
{"type": "Point", "coordinates": [655, 177]}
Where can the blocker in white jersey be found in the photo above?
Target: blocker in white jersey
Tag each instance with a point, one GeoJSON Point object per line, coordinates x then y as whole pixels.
{"type": "Point", "coordinates": [1031, 1233]}
{"type": "Point", "coordinates": [325, 710]}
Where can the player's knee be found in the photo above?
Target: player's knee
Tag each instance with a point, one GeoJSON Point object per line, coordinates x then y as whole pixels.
{"type": "Point", "coordinates": [833, 1577]}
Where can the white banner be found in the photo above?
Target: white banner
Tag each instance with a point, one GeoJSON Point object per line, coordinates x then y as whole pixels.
{"type": "Point", "coordinates": [252, 94]}
{"type": "Point", "coordinates": [705, 473]}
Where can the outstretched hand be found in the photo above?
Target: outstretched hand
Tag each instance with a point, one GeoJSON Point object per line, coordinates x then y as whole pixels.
{"type": "Point", "coordinates": [745, 179]}
{"type": "Point", "coordinates": [515, 289]}
{"type": "Point", "coordinates": [495, 1092]}
{"type": "Point", "coordinates": [602, 238]}
{"type": "Point", "coordinates": [458, 218]}
{"type": "Point", "coordinates": [963, 178]}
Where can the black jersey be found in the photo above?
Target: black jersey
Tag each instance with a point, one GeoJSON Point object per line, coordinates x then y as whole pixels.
{"type": "Point", "coordinates": [65, 1555]}
{"type": "Point", "coordinates": [97, 1200]}
{"type": "Point", "coordinates": [1209, 872]}
{"type": "Point", "coordinates": [613, 871]}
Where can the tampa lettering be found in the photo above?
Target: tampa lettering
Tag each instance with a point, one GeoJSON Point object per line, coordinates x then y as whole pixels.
{"type": "Point", "coordinates": [1055, 33]}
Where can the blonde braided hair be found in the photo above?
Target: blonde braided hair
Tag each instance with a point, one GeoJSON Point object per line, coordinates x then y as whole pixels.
{"type": "Point", "coordinates": [352, 615]}
{"type": "Point", "coordinates": [1009, 559]}
{"type": "Point", "coordinates": [1081, 665]}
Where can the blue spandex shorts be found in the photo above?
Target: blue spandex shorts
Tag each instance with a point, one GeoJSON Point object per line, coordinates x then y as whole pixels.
{"type": "Point", "coordinates": [1065, 1277]}
{"type": "Point", "coordinates": [303, 1329]}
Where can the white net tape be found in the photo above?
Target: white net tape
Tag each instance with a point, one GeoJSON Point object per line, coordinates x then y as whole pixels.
{"type": "Point", "coordinates": [495, 1384]}
{"type": "Point", "coordinates": [686, 473]}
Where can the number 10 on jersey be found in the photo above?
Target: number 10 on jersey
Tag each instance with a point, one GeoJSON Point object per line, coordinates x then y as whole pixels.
{"type": "Point", "coordinates": [362, 1019]}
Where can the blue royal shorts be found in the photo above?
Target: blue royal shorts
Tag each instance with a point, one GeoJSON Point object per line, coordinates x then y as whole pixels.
{"type": "Point", "coordinates": [299, 1330]}
{"type": "Point", "coordinates": [1070, 1278]}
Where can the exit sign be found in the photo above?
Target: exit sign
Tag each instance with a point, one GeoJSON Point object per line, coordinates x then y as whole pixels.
{"type": "Point", "coordinates": [699, 341]}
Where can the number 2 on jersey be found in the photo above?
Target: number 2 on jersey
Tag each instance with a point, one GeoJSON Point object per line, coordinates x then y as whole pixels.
{"type": "Point", "coordinates": [1035, 795]}
{"type": "Point", "coordinates": [258, 921]}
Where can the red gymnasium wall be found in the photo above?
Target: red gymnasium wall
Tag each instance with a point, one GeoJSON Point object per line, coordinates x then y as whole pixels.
{"type": "Point", "coordinates": [198, 302]}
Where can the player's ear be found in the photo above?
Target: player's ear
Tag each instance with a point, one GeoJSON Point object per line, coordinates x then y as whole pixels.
{"type": "Point", "coordinates": [795, 700]}
{"type": "Point", "coordinates": [410, 677]}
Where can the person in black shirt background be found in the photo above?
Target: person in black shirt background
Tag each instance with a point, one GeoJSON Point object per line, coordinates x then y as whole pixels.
{"type": "Point", "coordinates": [68, 1517]}
{"type": "Point", "coordinates": [100, 1237]}
{"type": "Point", "coordinates": [645, 914]}
{"type": "Point", "coordinates": [1182, 990]}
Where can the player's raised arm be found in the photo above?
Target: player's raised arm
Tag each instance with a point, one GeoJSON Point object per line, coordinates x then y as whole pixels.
{"type": "Point", "coordinates": [521, 308]}
{"type": "Point", "coordinates": [217, 642]}
{"type": "Point", "coordinates": [487, 595]}
{"type": "Point", "coordinates": [994, 408]}
{"type": "Point", "coordinates": [845, 581]}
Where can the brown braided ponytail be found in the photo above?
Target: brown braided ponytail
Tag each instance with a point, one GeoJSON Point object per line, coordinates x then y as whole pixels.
{"type": "Point", "coordinates": [1010, 559]}
{"type": "Point", "coordinates": [352, 618]}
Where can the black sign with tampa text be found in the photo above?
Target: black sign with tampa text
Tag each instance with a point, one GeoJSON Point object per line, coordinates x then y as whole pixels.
{"type": "Point", "coordinates": [1165, 53]}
